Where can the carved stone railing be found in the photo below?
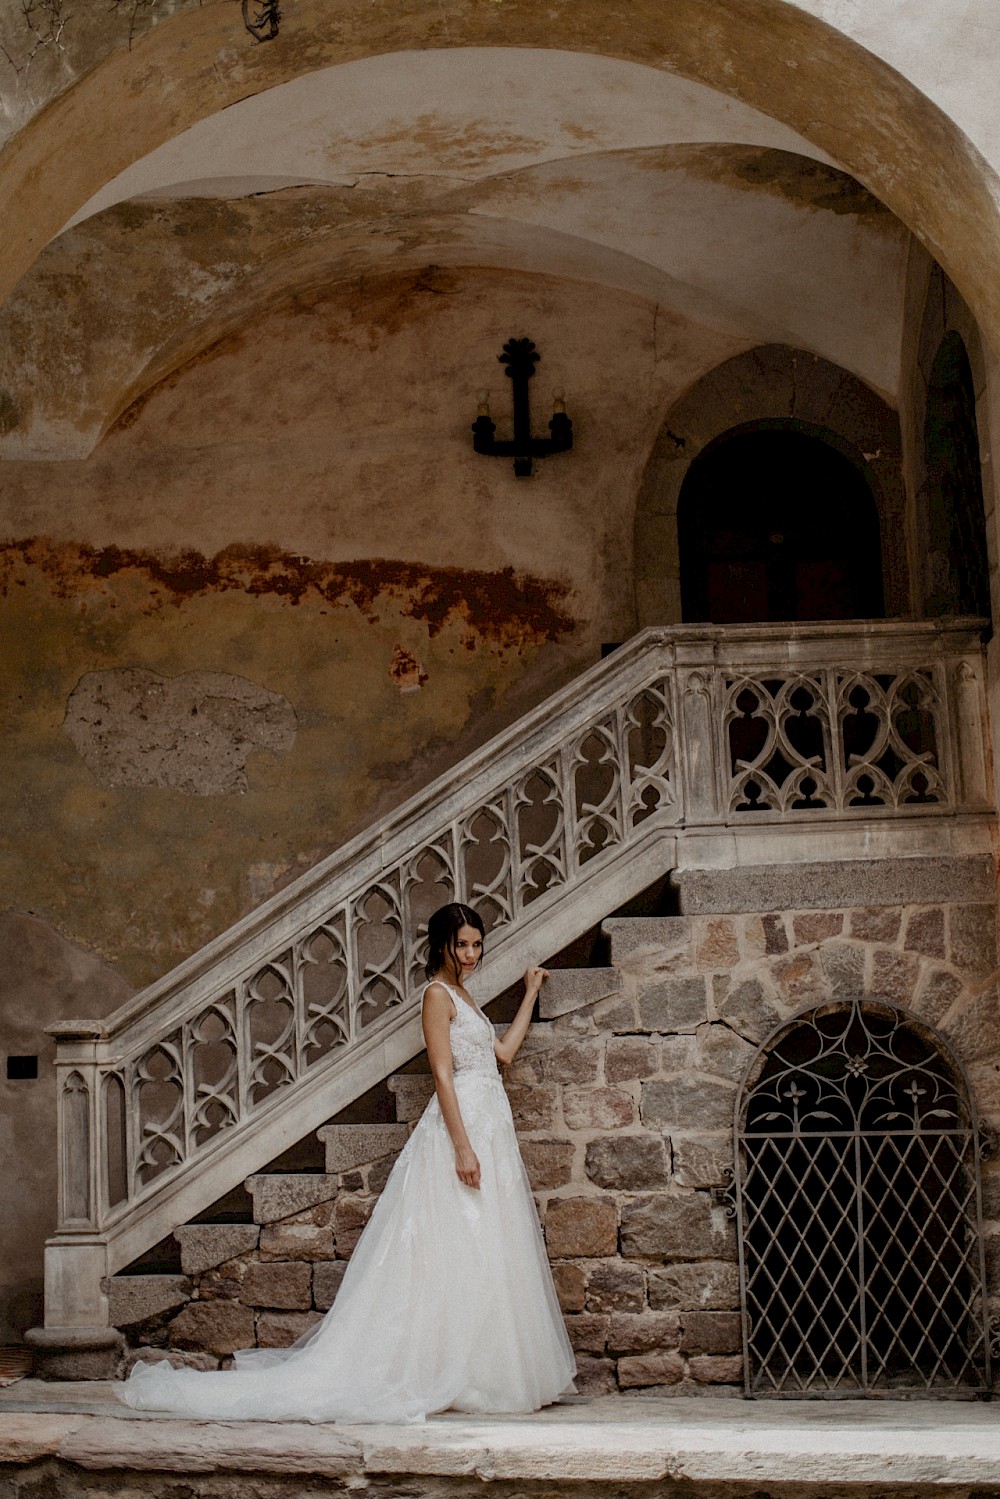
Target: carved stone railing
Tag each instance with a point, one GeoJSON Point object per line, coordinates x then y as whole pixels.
{"type": "Point", "coordinates": [683, 731]}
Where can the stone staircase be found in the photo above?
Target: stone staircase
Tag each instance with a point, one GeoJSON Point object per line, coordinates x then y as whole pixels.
{"type": "Point", "coordinates": [623, 1097]}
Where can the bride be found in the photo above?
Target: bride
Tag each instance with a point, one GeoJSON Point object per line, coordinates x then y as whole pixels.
{"type": "Point", "coordinates": [448, 1302]}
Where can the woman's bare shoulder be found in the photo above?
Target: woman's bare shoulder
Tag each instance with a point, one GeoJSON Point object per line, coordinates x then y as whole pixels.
{"type": "Point", "coordinates": [438, 997]}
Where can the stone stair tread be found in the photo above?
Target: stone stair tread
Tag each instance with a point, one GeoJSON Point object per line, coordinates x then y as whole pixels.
{"type": "Point", "coordinates": [205, 1245]}
{"type": "Point", "coordinates": [351, 1145]}
{"type": "Point", "coordinates": [413, 1092]}
{"type": "Point", "coordinates": [134, 1298]}
{"type": "Point", "coordinates": [569, 989]}
{"type": "Point", "coordinates": [631, 935]}
{"type": "Point", "coordinates": [283, 1193]}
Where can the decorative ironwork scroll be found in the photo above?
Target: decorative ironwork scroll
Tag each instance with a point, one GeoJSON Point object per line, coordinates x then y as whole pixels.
{"type": "Point", "coordinates": [859, 1212]}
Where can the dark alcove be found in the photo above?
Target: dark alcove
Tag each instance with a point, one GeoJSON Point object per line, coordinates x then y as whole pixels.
{"type": "Point", "coordinates": [957, 576]}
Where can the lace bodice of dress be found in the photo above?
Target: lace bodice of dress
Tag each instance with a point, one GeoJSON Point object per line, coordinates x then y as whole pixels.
{"type": "Point", "coordinates": [471, 1038]}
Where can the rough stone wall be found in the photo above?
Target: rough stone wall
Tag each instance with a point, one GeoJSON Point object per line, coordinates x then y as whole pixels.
{"type": "Point", "coordinates": [624, 1111]}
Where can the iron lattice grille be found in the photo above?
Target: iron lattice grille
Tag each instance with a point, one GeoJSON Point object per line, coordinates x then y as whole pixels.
{"type": "Point", "coordinates": [859, 1211]}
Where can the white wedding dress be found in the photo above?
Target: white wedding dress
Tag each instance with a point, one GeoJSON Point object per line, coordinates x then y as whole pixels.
{"type": "Point", "coordinates": [447, 1302]}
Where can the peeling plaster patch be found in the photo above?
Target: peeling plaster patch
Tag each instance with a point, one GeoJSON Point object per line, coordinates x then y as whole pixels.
{"type": "Point", "coordinates": [191, 733]}
{"type": "Point", "coordinates": [505, 607]}
{"type": "Point", "coordinates": [404, 669]}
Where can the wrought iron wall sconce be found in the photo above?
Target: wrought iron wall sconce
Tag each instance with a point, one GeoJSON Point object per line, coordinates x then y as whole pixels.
{"type": "Point", "coordinates": [520, 356]}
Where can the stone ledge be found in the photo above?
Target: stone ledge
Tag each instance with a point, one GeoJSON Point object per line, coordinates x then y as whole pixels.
{"type": "Point", "coordinates": [348, 1146]}
{"type": "Point", "coordinates": [934, 880]}
{"type": "Point", "coordinates": [569, 989]}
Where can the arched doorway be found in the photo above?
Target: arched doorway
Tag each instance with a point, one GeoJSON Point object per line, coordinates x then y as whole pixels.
{"type": "Point", "coordinates": [858, 1206]}
{"type": "Point", "coordinates": [777, 522]}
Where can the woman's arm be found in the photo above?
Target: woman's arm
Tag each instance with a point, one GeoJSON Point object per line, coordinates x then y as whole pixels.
{"type": "Point", "coordinates": [507, 1049]}
{"type": "Point", "coordinates": [437, 1012]}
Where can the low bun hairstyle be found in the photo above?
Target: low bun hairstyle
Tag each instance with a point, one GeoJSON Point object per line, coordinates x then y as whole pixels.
{"type": "Point", "coordinates": [442, 930]}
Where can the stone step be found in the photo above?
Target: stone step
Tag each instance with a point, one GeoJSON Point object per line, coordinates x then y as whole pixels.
{"type": "Point", "coordinates": [413, 1092]}
{"type": "Point", "coordinates": [569, 989]}
{"type": "Point", "coordinates": [284, 1193]}
{"type": "Point", "coordinates": [205, 1245]}
{"type": "Point", "coordinates": [135, 1298]}
{"type": "Point", "coordinates": [349, 1146]}
{"type": "Point", "coordinates": [632, 938]}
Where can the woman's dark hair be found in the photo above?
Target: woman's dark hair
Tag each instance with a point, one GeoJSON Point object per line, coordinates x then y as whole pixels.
{"type": "Point", "coordinates": [442, 930]}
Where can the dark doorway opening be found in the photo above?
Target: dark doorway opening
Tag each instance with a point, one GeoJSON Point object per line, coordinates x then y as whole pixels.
{"type": "Point", "coordinates": [776, 522]}
{"type": "Point", "coordinates": [957, 571]}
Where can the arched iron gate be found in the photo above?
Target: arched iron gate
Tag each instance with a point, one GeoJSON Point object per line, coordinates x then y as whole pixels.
{"type": "Point", "coordinates": [859, 1211]}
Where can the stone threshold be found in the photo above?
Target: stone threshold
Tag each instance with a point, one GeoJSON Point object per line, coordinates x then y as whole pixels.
{"type": "Point", "coordinates": [859, 1446]}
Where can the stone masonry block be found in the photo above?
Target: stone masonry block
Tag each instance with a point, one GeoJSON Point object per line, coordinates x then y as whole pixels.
{"type": "Point", "coordinates": [326, 1283]}
{"type": "Point", "coordinates": [936, 994]}
{"type": "Point", "coordinates": [351, 1145]}
{"type": "Point", "coordinates": [708, 1285]}
{"type": "Point", "coordinates": [581, 1227]}
{"type": "Point", "coordinates": [413, 1092]}
{"type": "Point", "coordinates": [134, 1298]}
{"type": "Point", "coordinates": [630, 1058]}
{"type": "Point", "coordinates": [703, 1161]}
{"type": "Point", "coordinates": [722, 1052]}
{"type": "Point", "coordinates": [877, 924]}
{"type": "Point", "coordinates": [747, 1009]}
{"type": "Point", "coordinates": [834, 885]}
{"type": "Point", "coordinates": [549, 1163]}
{"type": "Point", "coordinates": [616, 1286]}
{"type": "Point", "coordinates": [296, 1241]}
{"type": "Point", "coordinates": [285, 1285]}
{"type": "Point", "coordinates": [219, 1327]}
{"type": "Point", "coordinates": [280, 1195]}
{"type": "Point", "coordinates": [534, 1108]}
{"type": "Point", "coordinates": [628, 1163]}
{"type": "Point", "coordinates": [595, 1376]}
{"type": "Point", "coordinates": [673, 1004]}
{"type": "Point", "coordinates": [569, 989]}
{"type": "Point", "coordinates": [894, 974]}
{"type": "Point", "coordinates": [642, 940]}
{"type": "Point", "coordinates": [172, 1356]}
{"type": "Point", "coordinates": [645, 1333]}
{"type": "Point", "coordinates": [817, 926]}
{"type": "Point", "coordinates": [577, 1061]}
{"type": "Point", "coordinates": [648, 1369]}
{"type": "Point", "coordinates": [775, 933]}
{"type": "Point", "coordinates": [205, 1245]}
{"type": "Point", "coordinates": [975, 1030]}
{"type": "Point", "coordinates": [588, 1332]}
{"type": "Point", "coordinates": [571, 1286]}
{"type": "Point", "coordinates": [972, 937]}
{"type": "Point", "coordinates": [711, 1332]}
{"type": "Point", "coordinates": [350, 1216]}
{"type": "Point", "coordinates": [710, 1369]}
{"type": "Point", "coordinates": [843, 967]}
{"type": "Point", "coordinates": [799, 977]}
{"type": "Point", "coordinates": [676, 1226]}
{"type": "Point", "coordinates": [282, 1329]}
{"type": "Point", "coordinates": [598, 1108]}
{"type": "Point", "coordinates": [716, 944]}
{"type": "Point", "coordinates": [687, 1103]}
{"type": "Point", "coordinates": [925, 931]}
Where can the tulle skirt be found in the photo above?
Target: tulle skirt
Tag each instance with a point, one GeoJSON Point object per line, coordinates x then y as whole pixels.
{"type": "Point", "coordinates": [447, 1302]}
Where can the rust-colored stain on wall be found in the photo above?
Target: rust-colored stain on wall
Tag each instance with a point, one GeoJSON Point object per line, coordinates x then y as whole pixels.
{"type": "Point", "coordinates": [503, 606]}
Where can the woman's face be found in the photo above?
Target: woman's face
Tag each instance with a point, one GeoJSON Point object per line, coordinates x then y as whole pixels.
{"type": "Point", "coordinates": [468, 950]}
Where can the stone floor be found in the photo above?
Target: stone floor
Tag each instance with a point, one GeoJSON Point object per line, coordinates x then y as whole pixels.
{"type": "Point", "coordinates": [709, 1441]}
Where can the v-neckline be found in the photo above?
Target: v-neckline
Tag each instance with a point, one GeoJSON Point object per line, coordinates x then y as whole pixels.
{"type": "Point", "coordinates": [470, 1004]}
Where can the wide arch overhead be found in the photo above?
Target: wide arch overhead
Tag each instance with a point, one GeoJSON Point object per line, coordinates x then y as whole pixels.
{"type": "Point", "coordinates": [768, 53]}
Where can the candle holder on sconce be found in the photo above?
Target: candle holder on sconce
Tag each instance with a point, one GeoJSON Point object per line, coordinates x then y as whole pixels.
{"type": "Point", "coordinates": [520, 356]}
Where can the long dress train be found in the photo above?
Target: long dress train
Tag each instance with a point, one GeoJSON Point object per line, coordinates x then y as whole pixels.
{"type": "Point", "coordinates": [447, 1302]}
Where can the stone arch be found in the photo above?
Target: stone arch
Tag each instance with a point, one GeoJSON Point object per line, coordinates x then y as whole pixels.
{"type": "Point", "coordinates": [803, 71]}
{"type": "Point", "coordinates": [779, 385]}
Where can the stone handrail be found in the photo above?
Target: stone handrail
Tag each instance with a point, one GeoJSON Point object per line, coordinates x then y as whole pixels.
{"type": "Point", "coordinates": [684, 731]}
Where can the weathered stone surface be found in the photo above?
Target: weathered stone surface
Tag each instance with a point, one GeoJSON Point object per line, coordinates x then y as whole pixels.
{"type": "Point", "coordinates": [618, 1018]}
{"type": "Point", "coordinates": [817, 926]}
{"type": "Point", "coordinates": [704, 1161]}
{"type": "Point", "coordinates": [282, 1329]}
{"type": "Point", "coordinates": [587, 1331]}
{"type": "Point", "coordinates": [843, 968]}
{"type": "Point", "coordinates": [378, 1174]}
{"type": "Point", "coordinates": [628, 1163]}
{"type": "Point", "coordinates": [747, 1009]}
{"type": "Point", "coordinates": [629, 1058]}
{"type": "Point", "coordinates": [350, 1145]}
{"type": "Point", "coordinates": [936, 994]}
{"type": "Point", "coordinates": [219, 1327]}
{"type": "Point", "coordinates": [711, 1332]}
{"type": "Point", "coordinates": [569, 989]}
{"type": "Point", "coordinates": [283, 1284]}
{"type": "Point", "coordinates": [799, 977]}
{"type": "Point", "coordinates": [571, 1286]}
{"type": "Point", "coordinates": [70, 1353]}
{"type": "Point", "coordinates": [581, 1227]}
{"type": "Point", "coordinates": [708, 1285]}
{"type": "Point", "coordinates": [598, 1108]}
{"type": "Point", "coordinates": [709, 1369]}
{"type": "Point", "coordinates": [672, 1004]}
{"type": "Point", "coordinates": [877, 924]}
{"type": "Point", "coordinates": [972, 937]}
{"type": "Point", "coordinates": [716, 944]}
{"type": "Point", "coordinates": [595, 1376]}
{"type": "Point", "coordinates": [534, 1108]}
{"type": "Point", "coordinates": [616, 1286]}
{"type": "Point", "coordinates": [296, 1241]}
{"type": "Point", "coordinates": [413, 1091]}
{"type": "Point", "coordinates": [687, 1103]}
{"type": "Point", "coordinates": [677, 1053]}
{"type": "Point", "coordinates": [327, 1278]}
{"type": "Point", "coordinates": [134, 1298]}
{"type": "Point", "coordinates": [644, 937]}
{"type": "Point", "coordinates": [722, 1052]}
{"type": "Point", "coordinates": [549, 1163]}
{"type": "Point", "coordinates": [172, 1356]}
{"type": "Point", "coordinates": [205, 1245]}
{"type": "Point", "coordinates": [775, 933]}
{"type": "Point", "coordinates": [894, 974]}
{"type": "Point", "coordinates": [222, 1282]}
{"type": "Point", "coordinates": [975, 1030]}
{"type": "Point", "coordinates": [925, 931]}
{"type": "Point", "coordinates": [570, 1062]}
{"type": "Point", "coordinates": [349, 1218]}
{"type": "Point", "coordinates": [650, 1369]}
{"type": "Point", "coordinates": [643, 1333]}
{"type": "Point", "coordinates": [676, 1226]}
{"type": "Point", "coordinates": [280, 1195]}
{"type": "Point", "coordinates": [834, 885]}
